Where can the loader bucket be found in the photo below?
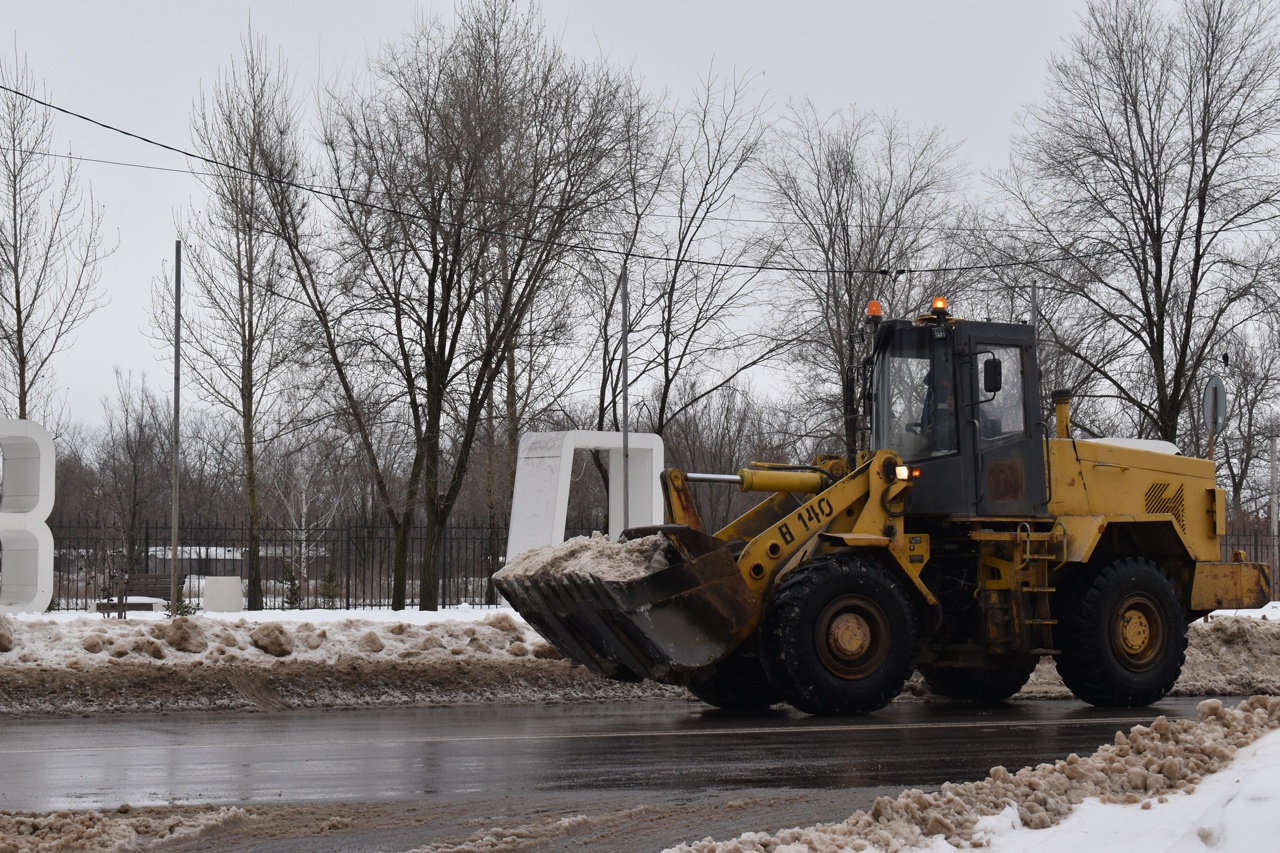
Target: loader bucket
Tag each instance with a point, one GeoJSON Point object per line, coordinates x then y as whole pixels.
{"type": "Point", "coordinates": [664, 625]}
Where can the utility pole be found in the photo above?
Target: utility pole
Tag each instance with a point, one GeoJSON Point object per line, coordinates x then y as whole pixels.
{"type": "Point", "coordinates": [177, 387]}
{"type": "Point", "coordinates": [626, 420]}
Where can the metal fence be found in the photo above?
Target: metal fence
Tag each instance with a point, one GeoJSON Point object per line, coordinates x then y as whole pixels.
{"type": "Point", "coordinates": [346, 566]}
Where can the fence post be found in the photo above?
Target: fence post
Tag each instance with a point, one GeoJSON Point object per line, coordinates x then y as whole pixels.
{"type": "Point", "coordinates": [452, 593]}
{"type": "Point", "coordinates": [346, 560]}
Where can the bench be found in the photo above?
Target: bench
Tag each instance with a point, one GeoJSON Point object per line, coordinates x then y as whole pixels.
{"type": "Point", "coordinates": [139, 587]}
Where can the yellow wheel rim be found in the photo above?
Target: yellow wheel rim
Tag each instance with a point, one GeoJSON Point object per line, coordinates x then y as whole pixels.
{"type": "Point", "coordinates": [852, 637]}
{"type": "Point", "coordinates": [1138, 632]}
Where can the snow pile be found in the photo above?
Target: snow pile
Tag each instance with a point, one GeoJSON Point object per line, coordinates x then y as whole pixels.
{"type": "Point", "coordinates": [1232, 656]}
{"type": "Point", "coordinates": [272, 660]}
{"type": "Point", "coordinates": [1231, 810]}
{"type": "Point", "coordinates": [593, 555]}
{"type": "Point", "coordinates": [121, 829]}
{"type": "Point", "coordinates": [187, 640]}
{"type": "Point", "coordinates": [1151, 762]}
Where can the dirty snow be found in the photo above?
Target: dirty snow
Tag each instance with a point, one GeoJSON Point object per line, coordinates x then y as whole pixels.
{"type": "Point", "coordinates": [78, 642]}
{"type": "Point", "coordinates": [118, 829]}
{"type": "Point", "coordinates": [1170, 786]}
{"type": "Point", "coordinates": [593, 555]}
{"type": "Point", "coordinates": [1164, 769]}
{"type": "Point", "coordinates": [73, 663]}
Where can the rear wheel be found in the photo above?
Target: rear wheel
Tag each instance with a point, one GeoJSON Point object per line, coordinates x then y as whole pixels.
{"type": "Point", "coordinates": [1123, 634]}
{"type": "Point", "coordinates": [979, 684]}
{"type": "Point", "coordinates": [738, 683]}
{"type": "Point", "coordinates": [840, 637]}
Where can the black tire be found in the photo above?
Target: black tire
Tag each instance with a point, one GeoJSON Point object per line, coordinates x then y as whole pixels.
{"type": "Point", "coordinates": [1123, 634]}
{"type": "Point", "coordinates": [840, 637]}
{"type": "Point", "coordinates": [979, 684]}
{"type": "Point", "coordinates": [738, 683]}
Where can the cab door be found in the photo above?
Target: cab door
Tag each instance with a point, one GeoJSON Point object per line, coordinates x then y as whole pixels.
{"type": "Point", "coordinates": [1003, 418]}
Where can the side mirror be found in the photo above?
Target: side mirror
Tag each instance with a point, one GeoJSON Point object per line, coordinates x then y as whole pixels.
{"type": "Point", "coordinates": [991, 375]}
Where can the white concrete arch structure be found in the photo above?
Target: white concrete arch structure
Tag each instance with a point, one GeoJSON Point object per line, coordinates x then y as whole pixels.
{"type": "Point", "coordinates": [544, 467]}
{"type": "Point", "coordinates": [26, 584]}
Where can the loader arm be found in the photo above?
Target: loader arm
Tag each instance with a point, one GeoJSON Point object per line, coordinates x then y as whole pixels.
{"type": "Point", "coordinates": [861, 510]}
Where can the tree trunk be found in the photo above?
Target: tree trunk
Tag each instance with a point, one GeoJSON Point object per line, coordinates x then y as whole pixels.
{"type": "Point", "coordinates": [432, 548]}
{"type": "Point", "coordinates": [400, 560]}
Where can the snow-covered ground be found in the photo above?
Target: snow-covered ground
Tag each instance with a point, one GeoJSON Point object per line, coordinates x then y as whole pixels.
{"type": "Point", "coordinates": [1176, 785]}
{"type": "Point", "coordinates": [1231, 810]}
{"type": "Point", "coordinates": [1189, 785]}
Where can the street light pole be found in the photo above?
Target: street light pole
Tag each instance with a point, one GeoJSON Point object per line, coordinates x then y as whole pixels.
{"type": "Point", "coordinates": [626, 420]}
{"type": "Point", "coordinates": [177, 388]}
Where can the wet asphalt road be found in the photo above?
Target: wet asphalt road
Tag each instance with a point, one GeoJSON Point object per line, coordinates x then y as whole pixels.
{"type": "Point", "coordinates": [563, 752]}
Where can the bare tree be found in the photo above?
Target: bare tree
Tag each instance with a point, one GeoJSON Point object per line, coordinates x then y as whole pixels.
{"type": "Point", "coordinates": [1252, 378]}
{"type": "Point", "coordinates": [1135, 190]}
{"type": "Point", "coordinates": [700, 285]}
{"type": "Point", "coordinates": [307, 499]}
{"type": "Point", "coordinates": [535, 376]}
{"type": "Point", "coordinates": [133, 464]}
{"type": "Point", "coordinates": [50, 249]}
{"type": "Point", "coordinates": [470, 175]}
{"type": "Point", "coordinates": [246, 346]}
{"type": "Point", "coordinates": [599, 287]}
{"type": "Point", "coordinates": [860, 199]}
{"type": "Point", "coordinates": [695, 273]}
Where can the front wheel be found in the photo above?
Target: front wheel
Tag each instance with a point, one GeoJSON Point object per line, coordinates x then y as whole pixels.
{"type": "Point", "coordinates": [1123, 634]}
{"type": "Point", "coordinates": [840, 636]}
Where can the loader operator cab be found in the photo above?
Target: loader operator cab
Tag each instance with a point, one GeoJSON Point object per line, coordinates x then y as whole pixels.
{"type": "Point", "coordinates": [959, 401]}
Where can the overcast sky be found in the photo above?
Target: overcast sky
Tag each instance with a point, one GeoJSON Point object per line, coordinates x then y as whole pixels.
{"type": "Point", "coordinates": [967, 65]}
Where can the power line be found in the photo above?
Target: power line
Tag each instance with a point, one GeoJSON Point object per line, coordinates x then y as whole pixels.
{"type": "Point", "coordinates": [81, 159]}
{"type": "Point", "coordinates": [340, 194]}
{"type": "Point", "coordinates": [738, 220]}
{"type": "Point", "coordinates": [1245, 228]}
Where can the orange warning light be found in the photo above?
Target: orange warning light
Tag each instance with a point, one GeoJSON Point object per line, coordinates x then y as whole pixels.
{"type": "Point", "coordinates": [874, 311]}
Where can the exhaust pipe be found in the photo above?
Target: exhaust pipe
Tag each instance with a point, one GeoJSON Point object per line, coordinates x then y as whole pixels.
{"type": "Point", "coordinates": [1062, 411]}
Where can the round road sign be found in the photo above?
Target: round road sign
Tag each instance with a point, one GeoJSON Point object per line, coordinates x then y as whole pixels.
{"type": "Point", "coordinates": [1214, 408]}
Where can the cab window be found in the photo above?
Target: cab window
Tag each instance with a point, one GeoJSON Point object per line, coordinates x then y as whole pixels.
{"type": "Point", "coordinates": [1000, 412]}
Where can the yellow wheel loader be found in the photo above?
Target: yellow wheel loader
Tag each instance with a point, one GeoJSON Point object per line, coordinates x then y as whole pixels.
{"type": "Point", "coordinates": [969, 544]}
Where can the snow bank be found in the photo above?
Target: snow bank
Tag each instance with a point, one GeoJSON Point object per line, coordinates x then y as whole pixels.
{"type": "Point", "coordinates": [1167, 758]}
{"type": "Point", "coordinates": [271, 660]}
{"type": "Point", "coordinates": [1232, 810]}
{"type": "Point", "coordinates": [115, 830]}
{"type": "Point", "coordinates": [88, 641]}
